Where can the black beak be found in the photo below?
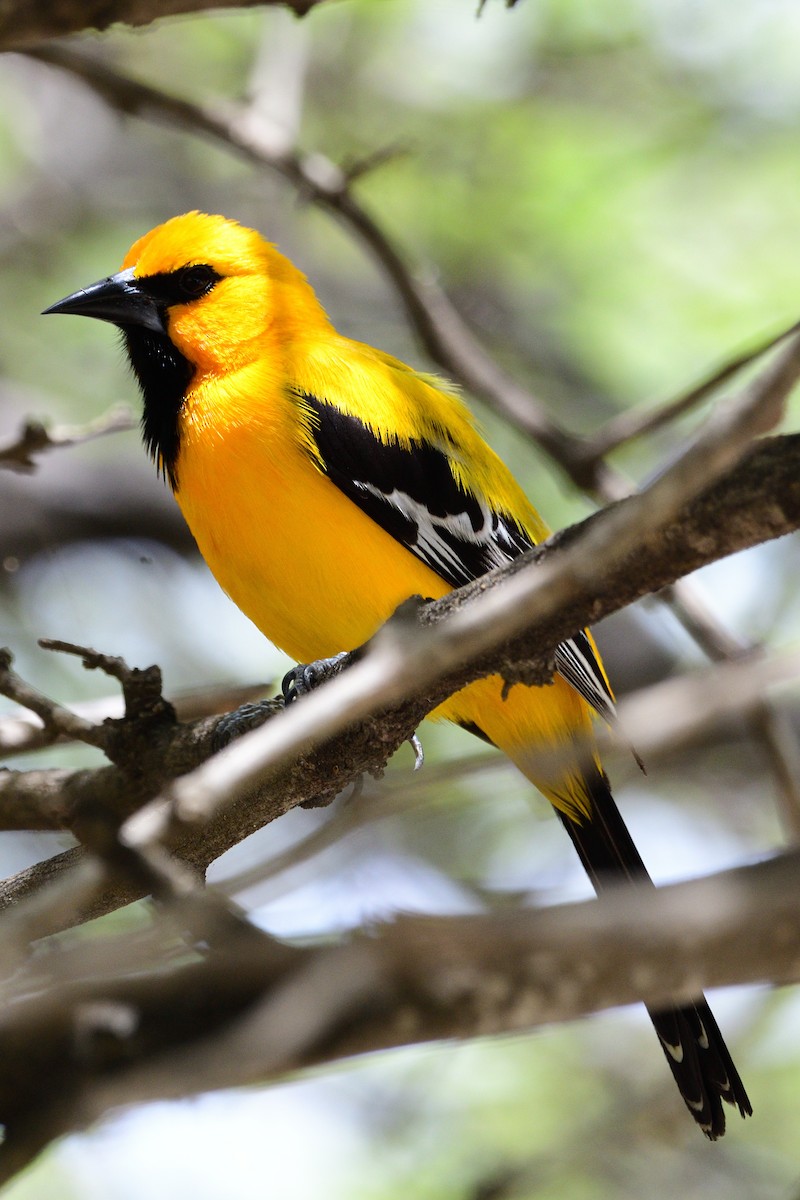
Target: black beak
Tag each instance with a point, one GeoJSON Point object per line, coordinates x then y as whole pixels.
{"type": "Point", "coordinates": [119, 299]}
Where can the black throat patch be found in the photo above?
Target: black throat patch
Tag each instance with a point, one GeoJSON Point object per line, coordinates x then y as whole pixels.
{"type": "Point", "coordinates": [163, 375]}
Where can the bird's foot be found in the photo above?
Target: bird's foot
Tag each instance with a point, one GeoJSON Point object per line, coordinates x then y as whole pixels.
{"type": "Point", "coordinates": [305, 677]}
{"type": "Point", "coordinates": [242, 720]}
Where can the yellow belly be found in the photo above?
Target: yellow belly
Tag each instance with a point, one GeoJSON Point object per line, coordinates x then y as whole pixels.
{"type": "Point", "coordinates": [303, 562]}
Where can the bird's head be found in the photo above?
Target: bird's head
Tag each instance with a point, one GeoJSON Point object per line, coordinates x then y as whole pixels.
{"type": "Point", "coordinates": [210, 286]}
{"type": "Point", "coordinates": [197, 298]}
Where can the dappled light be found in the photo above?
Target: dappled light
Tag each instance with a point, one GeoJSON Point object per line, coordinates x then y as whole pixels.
{"type": "Point", "coordinates": [584, 218]}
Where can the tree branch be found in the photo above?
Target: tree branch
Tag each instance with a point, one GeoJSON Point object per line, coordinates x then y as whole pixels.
{"type": "Point", "coordinates": [108, 1029]}
{"type": "Point", "coordinates": [23, 24]}
{"type": "Point", "coordinates": [483, 619]}
{"type": "Point", "coordinates": [636, 422]}
{"type": "Point", "coordinates": [758, 500]}
{"type": "Point", "coordinates": [442, 332]}
{"type": "Point", "coordinates": [21, 732]}
{"type": "Point", "coordinates": [18, 454]}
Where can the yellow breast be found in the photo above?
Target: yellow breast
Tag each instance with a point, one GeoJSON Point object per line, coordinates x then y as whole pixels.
{"type": "Point", "coordinates": [287, 546]}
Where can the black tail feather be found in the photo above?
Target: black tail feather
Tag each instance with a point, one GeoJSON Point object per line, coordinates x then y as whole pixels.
{"type": "Point", "coordinates": [693, 1045]}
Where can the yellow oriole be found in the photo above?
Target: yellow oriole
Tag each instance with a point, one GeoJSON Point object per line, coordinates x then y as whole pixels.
{"type": "Point", "coordinates": [325, 482]}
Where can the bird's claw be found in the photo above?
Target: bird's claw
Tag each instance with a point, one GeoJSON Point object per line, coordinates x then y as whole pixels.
{"type": "Point", "coordinates": [419, 753]}
{"type": "Point", "coordinates": [305, 677]}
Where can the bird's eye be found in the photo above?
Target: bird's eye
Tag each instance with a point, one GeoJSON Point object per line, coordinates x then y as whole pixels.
{"type": "Point", "coordinates": [196, 281]}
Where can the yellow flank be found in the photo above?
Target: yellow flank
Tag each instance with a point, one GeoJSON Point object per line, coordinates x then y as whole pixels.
{"type": "Point", "coordinates": [313, 572]}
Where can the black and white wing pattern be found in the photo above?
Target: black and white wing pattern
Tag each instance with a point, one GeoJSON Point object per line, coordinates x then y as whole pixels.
{"type": "Point", "coordinates": [410, 491]}
{"type": "Point", "coordinates": [577, 662]}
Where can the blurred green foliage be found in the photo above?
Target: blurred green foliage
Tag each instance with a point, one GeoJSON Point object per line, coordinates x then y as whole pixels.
{"type": "Point", "coordinates": [611, 194]}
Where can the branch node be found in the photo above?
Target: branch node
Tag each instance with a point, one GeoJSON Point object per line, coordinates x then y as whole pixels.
{"type": "Point", "coordinates": [141, 687]}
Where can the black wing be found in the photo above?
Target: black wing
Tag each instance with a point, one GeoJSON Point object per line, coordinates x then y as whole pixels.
{"type": "Point", "coordinates": [412, 494]}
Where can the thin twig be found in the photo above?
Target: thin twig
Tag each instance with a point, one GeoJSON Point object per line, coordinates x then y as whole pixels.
{"type": "Point", "coordinates": [53, 716]}
{"type": "Point", "coordinates": [22, 732]}
{"type": "Point", "coordinates": [635, 423]}
{"type": "Point", "coordinates": [19, 453]}
{"type": "Point", "coordinates": [396, 796]}
{"type": "Point", "coordinates": [658, 719]}
{"type": "Point", "coordinates": [443, 333]}
{"type": "Point", "coordinates": [779, 738]}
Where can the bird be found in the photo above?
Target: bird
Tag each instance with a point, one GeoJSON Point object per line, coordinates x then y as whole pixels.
{"type": "Point", "coordinates": [325, 482]}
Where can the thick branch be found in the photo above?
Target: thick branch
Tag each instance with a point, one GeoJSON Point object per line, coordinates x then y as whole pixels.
{"type": "Point", "coordinates": [483, 637]}
{"type": "Point", "coordinates": [255, 1009]}
{"type": "Point", "coordinates": [257, 1014]}
{"type": "Point", "coordinates": [760, 499]}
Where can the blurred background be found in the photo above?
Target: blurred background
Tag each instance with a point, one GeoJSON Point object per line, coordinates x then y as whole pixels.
{"type": "Point", "coordinates": [610, 193]}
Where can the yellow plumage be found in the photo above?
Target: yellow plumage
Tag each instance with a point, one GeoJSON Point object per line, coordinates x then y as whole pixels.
{"type": "Point", "coordinates": [310, 569]}
{"type": "Point", "coordinates": [325, 482]}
